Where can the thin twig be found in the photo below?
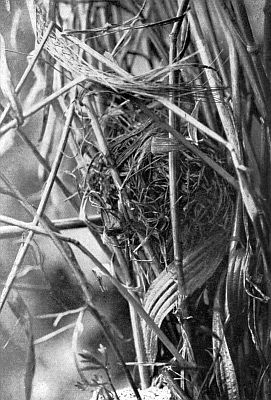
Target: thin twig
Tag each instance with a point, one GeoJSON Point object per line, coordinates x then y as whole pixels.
{"type": "Point", "coordinates": [74, 202]}
{"type": "Point", "coordinates": [29, 68]}
{"type": "Point", "coordinates": [13, 124]}
{"type": "Point", "coordinates": [51, 335]}
{"type": "Point", "coordinates": [47, 190]}
{"type": "Point", "coordinates": [173, 164]}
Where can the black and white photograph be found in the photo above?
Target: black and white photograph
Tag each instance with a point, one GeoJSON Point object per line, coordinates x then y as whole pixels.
{"type": "Point", "coordinates": [135, 200]}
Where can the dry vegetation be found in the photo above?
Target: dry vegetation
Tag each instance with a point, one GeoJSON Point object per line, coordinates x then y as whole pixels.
{"type": "Point", "coordinates": [167, 118]}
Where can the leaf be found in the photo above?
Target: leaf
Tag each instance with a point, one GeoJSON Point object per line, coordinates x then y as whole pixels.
{"type": "Point", "coordinates": [161, 144]}
{"type": "Point", "coordinates": [192, 130]}
{"type": "Point", "coordinates": [26, 269]}
{"type": "Point", "coordinates": [32, 14]}
{"type": "Point", "coordinates": [21, 312]}
{"type": "Point", "coordinates": [252, 162]}
{"type": "Point", "coordinates": [6, 83]}
{"type": "Point", "coordinates": [15, 27]}
{"type": "Point", "coordinates": [88, 357]}
{"type": "Point", "coordinates": [224, 367]}
{"type": "Point", "coordinates": [93, 368]}
{"type": "Point", "coordinates": [236, 296]}
{"type": "Point", "coordinates": [161, 297]}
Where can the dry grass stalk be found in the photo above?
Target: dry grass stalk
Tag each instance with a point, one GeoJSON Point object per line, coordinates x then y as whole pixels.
{"type": "Point", "coordinates": [124, 144]}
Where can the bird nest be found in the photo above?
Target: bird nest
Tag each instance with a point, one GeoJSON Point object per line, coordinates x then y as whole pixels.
{"type": "Point", "coordinates": [205, 200]}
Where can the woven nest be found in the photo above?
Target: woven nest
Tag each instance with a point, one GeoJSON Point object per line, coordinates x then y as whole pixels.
{"type": "Point", "coordinates": [205, 199]}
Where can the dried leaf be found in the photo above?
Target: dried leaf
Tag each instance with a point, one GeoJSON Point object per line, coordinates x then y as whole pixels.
{"type": "Point", "coordinates": [192, 130]}
{"type": "Point", "coordinates": [14, 27]}
{"type": "Point", "coordinates": [162, 295]}
{"type": "Point", "coordinates": [89, 358]}
{"type": "Point", "coordinates": [225, 371]}
{"type": "Point", "coordinates": [92, 367]}
{"type": "Point", "coordinates": [32, 14]}
{"type": "Point", "coordinates": [236, 295]}
{"type": "Point", "coordinates": [252, 161]}
{"type": "Point", "coordinates": [164, 145]}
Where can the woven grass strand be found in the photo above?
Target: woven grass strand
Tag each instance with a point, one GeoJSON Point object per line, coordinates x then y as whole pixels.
{"type": "Point", "coordinates": [161, 297]}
